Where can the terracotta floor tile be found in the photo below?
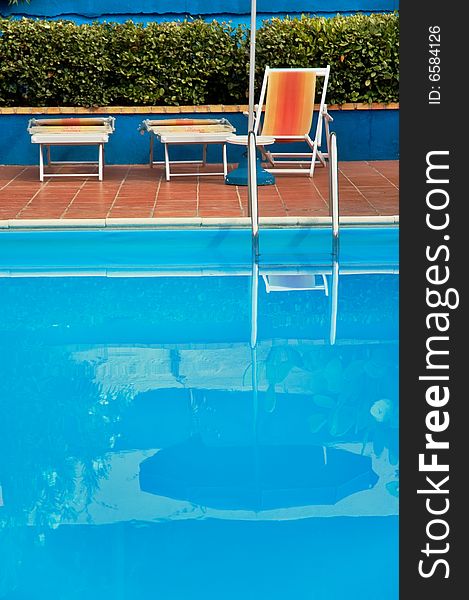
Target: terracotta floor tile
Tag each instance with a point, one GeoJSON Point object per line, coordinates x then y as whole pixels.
{"type": "Point", "coordinates": [88, 215]}
{"type": "Point", "coordinates": [365, 188]}
{"type": "Point", "coordinates": [174, 213]}
{"type": "Point", "coordinates": [175, 204]}
{"type": "Point", "coordinates": [136, 213]}
{"type": "Point", "coordinates": [217, 213]}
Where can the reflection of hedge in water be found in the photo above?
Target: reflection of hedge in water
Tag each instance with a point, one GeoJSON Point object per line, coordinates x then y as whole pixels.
{"type": "Point", "coordinates": [37, 304]}
{"type": "Point", "coordinates": [351, 397]}
{"type": "Point", "coordinates": [56, 426]}
{"type": "Point", "coordinates": [354, 393]}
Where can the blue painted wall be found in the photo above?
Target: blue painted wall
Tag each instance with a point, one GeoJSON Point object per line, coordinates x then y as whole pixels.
{"type": "Point", "coordinates": [362, 135]}
{"type": "Point", "coordinates": [149, 10]}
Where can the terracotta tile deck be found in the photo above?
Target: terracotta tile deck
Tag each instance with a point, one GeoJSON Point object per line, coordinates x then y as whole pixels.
{"type": "Point", "coordinates": [366, 188]}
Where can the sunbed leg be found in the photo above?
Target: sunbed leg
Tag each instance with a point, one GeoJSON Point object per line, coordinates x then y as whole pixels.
{"type": "Point", "coordinates": [100, 162]}
{"type": "Point", "coordinates": [204, 155]}
{"type": "Point", "coordinates": [48, 155]}
{"type": "Point", "coordinates": [151, 151]}
{"type": "Point", "coordinates": [41, 163]}
{"type": "Point", "coordinates": [225, 161]}
{"type": "Point", "coordinates": [166, 162]}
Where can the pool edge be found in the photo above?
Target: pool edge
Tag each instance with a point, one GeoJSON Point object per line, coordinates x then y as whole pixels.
{"type": "Point", "coordinates": [193, 222]}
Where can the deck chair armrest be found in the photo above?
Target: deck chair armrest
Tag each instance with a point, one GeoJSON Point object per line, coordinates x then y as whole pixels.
{"type": "Point", "coordinates": [256, 110]}
{"type": "Point", "coordinates": [326, 115]}
{"type": "Point", "coordinates": [257, 118]}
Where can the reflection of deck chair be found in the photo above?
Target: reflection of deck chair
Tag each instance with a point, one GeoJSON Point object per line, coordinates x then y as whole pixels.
{"type": "Point", "coordinates": [289, 106]}
{"type": "Point", "coordinates": [92, 131]}
{"type": "Point", "coordinates": [310, 281]}
{"type": "Point", "coordinates": [290, 283]}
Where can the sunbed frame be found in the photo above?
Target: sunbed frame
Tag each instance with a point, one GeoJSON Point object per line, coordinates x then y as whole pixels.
{"type": "Point", "coordinates": [70, 132]}
{"type": "Point", "coordinates": [172, 132]}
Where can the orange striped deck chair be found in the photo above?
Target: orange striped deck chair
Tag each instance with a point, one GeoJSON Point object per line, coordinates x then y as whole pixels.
{"type": "Point", "coordinates": [289, 96]}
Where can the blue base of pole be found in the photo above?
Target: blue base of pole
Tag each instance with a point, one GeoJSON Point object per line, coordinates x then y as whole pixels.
{"type": "Point", "coordinates": [239, 176]}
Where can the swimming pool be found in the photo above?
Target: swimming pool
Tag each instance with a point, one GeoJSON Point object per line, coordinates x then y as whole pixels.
{"type": "Point", "coordinates": [180, 422]}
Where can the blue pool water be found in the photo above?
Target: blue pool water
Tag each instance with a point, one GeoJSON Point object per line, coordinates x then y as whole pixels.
{"type": "Point", "coordinates": [180, 423]}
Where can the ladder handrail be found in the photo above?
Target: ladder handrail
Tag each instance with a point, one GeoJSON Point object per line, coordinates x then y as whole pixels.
{"type": "Point", "coordinates": [334, 185]}
{"type": "Point", "coordinates": [252, 189]}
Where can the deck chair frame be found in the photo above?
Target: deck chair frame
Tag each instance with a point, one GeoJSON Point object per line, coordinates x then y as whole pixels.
{"type": "Point", "coordinates": [315, 155]}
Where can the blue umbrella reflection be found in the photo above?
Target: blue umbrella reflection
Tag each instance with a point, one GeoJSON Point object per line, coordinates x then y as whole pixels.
{"type": "Point", "coordinates": [260, 477]}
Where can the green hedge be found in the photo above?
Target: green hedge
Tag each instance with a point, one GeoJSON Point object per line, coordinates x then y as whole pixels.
{"type": "Point", "coordinates": [60, 63]}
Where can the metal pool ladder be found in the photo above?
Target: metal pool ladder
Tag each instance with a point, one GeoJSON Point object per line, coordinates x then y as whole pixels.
{"type": "Point", "coordinates": [333, 191]}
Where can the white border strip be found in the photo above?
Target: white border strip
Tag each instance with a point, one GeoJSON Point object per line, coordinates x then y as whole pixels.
{"type": "Point", "coordinates": [179, 272]}
{"type": "Point", "coordinates": [192, 222]}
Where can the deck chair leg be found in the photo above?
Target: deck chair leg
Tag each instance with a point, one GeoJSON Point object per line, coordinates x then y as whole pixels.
{"type": "Point", "coordinates": [100, 162]}
{"type": "Point", "coordinates": [48, 156]}
{"type": "Point", "coordinates": [225, 161]}
{"type": "Point", "coordinates": [151, 150]}
{"type": "Point", "coordinates": [328, 135]}
{"type": "Point", "coordinates": [263, 152]}
{"type": "Point", "coordinates": [166, 162]}
{"type": "Point", "coordinates": [204, 155]}
{"type": "Point", "coordinates": [313, 161]}
{"type": "Point", "coordinates": [41, 163]}
{"type": "Point", "coordinates": [266, 155]}
{"type": "Point", "coordinates": [322, 158]}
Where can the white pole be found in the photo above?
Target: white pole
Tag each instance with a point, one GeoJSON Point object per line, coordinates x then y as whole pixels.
{"type": "Point", "coordinates": [252, 64]}
{"type": "Point", "coordinates": [251, 145]}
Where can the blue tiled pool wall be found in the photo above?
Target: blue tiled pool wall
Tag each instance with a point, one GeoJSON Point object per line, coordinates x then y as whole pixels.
{"type": "Point", "coordinates": [328, 559]}
{"type": "Point", "coordinates": [361, 135]}
{"type": "Point", "coordinates": [227, 250]}
{"type": "Point", "coordinates": [108, 310]}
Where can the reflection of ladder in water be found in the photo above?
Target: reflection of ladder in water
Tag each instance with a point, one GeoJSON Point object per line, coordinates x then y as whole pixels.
{"type": "Point", "coordinates": [310, 282]}
{"type": "Point", "coordinates": [333, 191]}
{"type": "Point", "coordinates": [288, 282]}
{"type": "Point", "coordinates": [278, 282]}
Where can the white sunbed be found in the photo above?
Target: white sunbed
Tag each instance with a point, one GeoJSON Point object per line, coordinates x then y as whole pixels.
{"type": "Point", "coordinates": [188, 131]}
{"type": "Point", "coordinates": [70, 132]}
